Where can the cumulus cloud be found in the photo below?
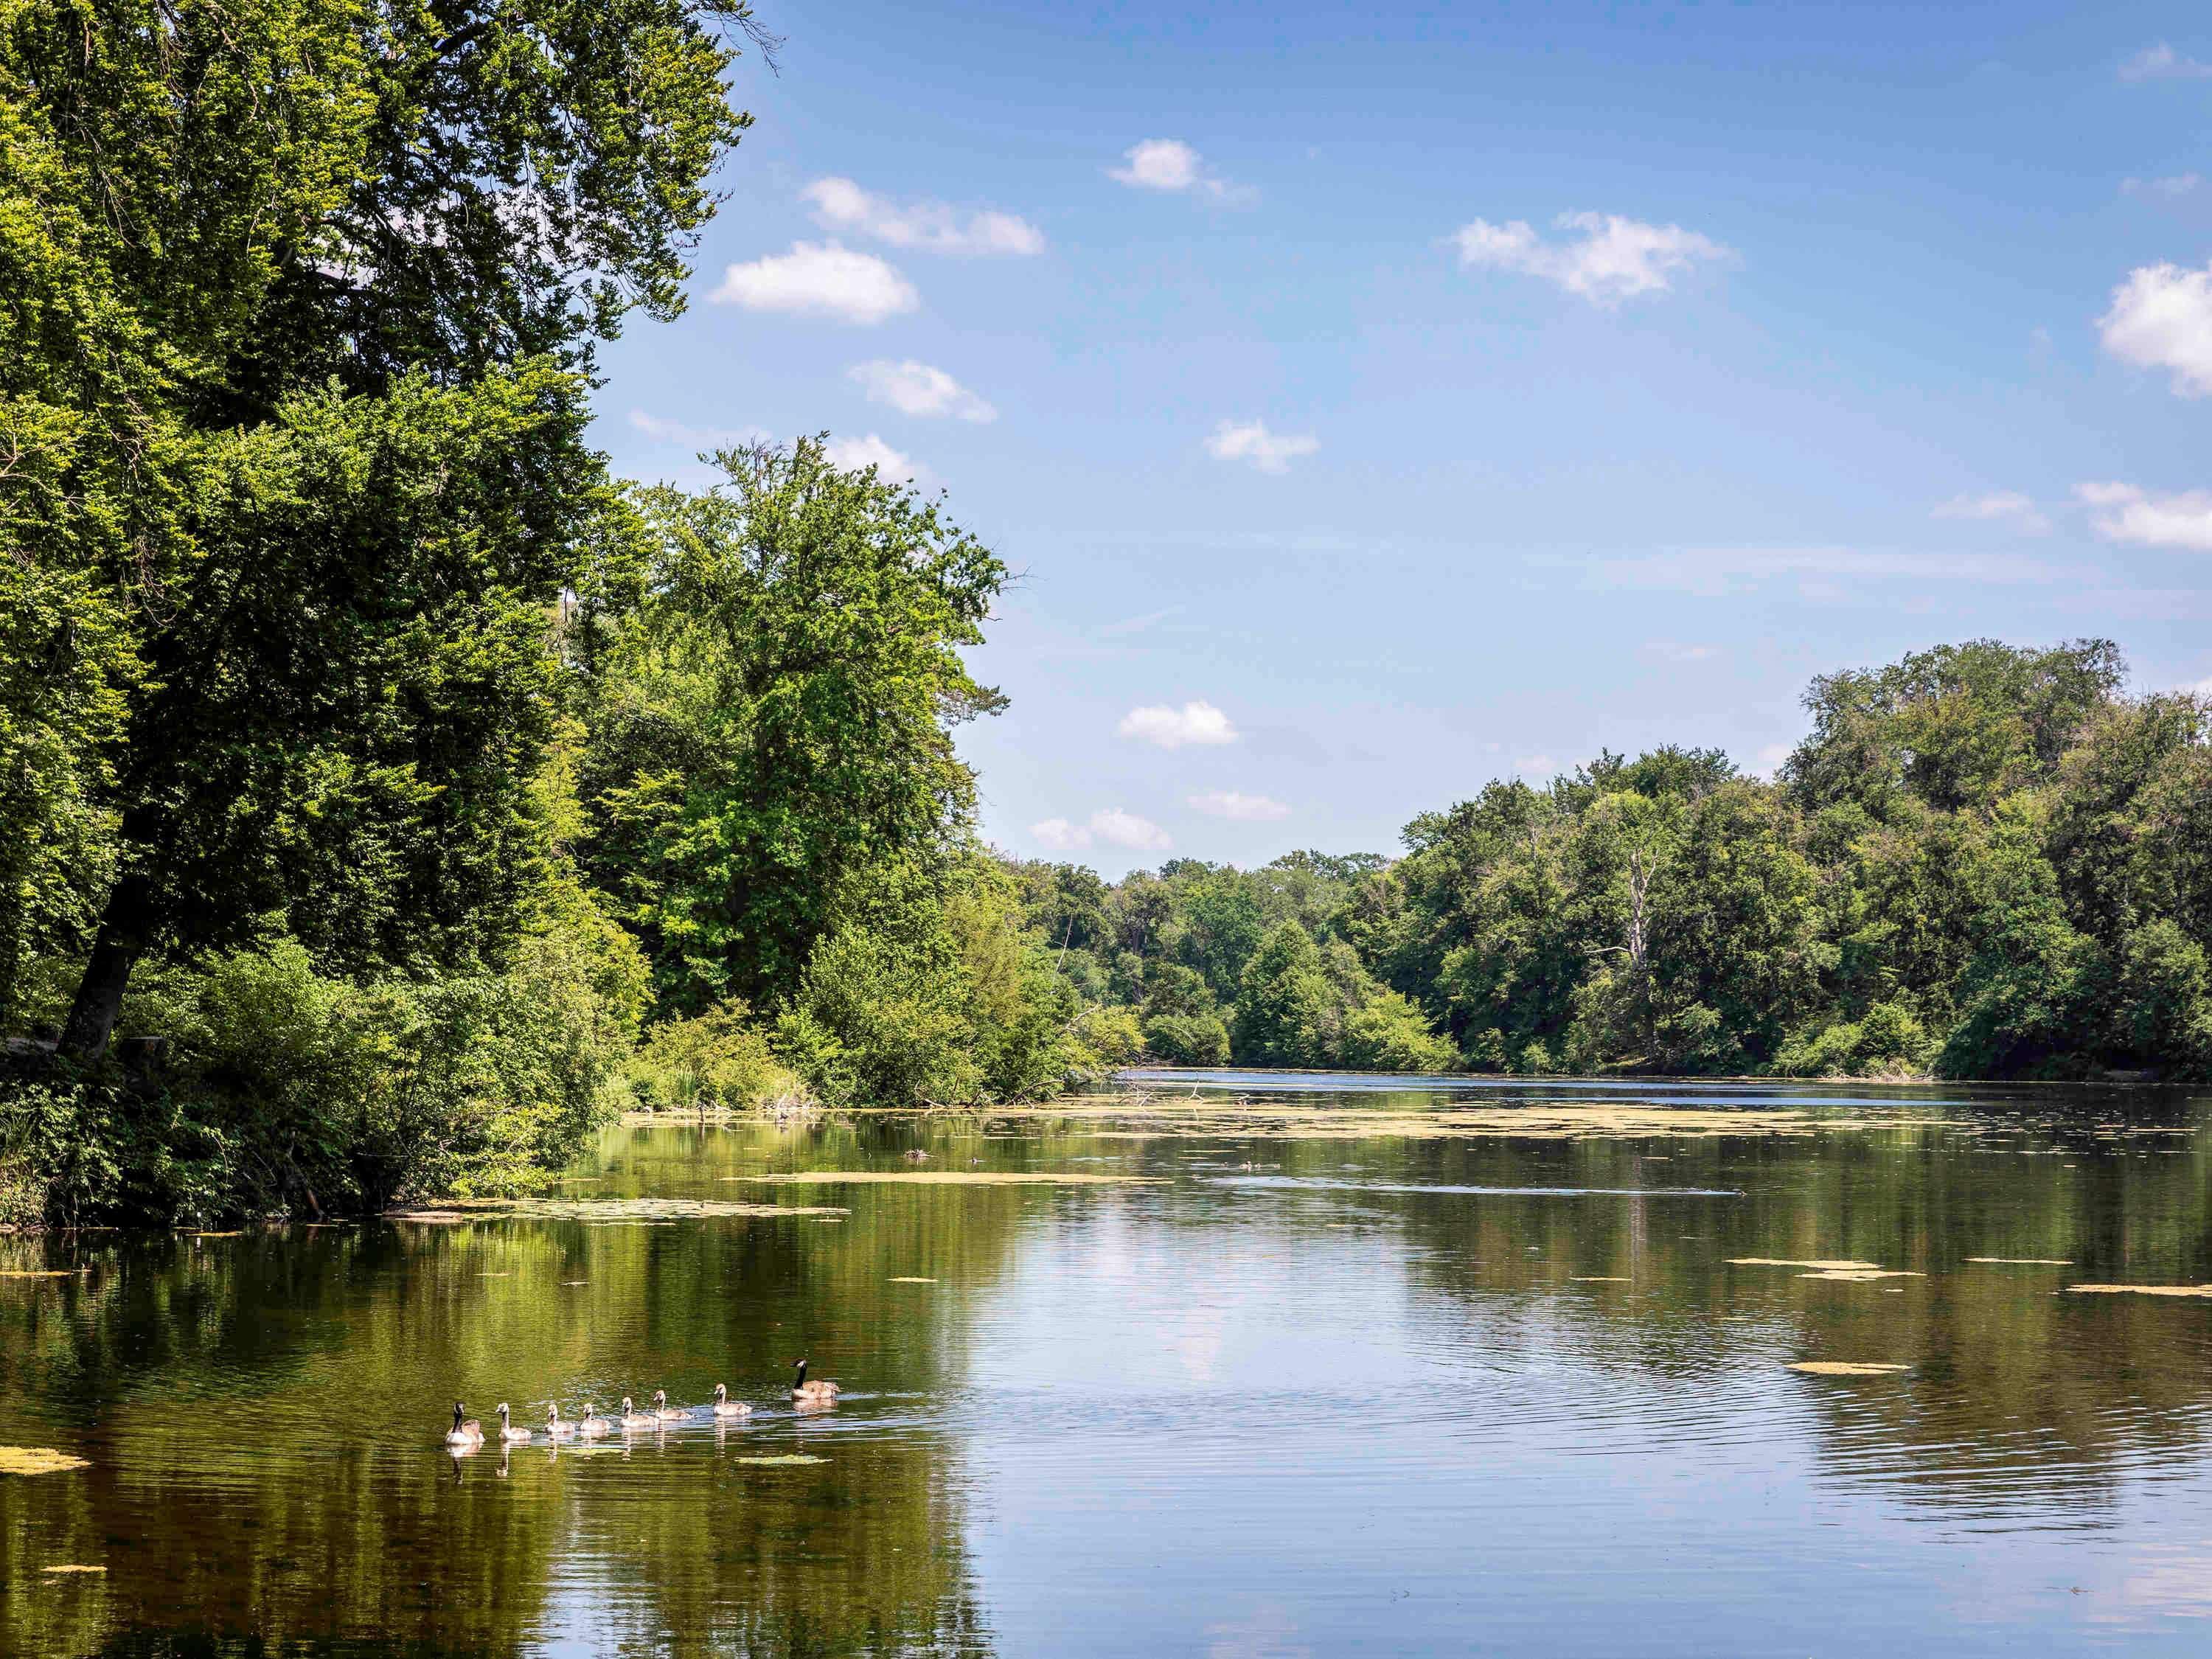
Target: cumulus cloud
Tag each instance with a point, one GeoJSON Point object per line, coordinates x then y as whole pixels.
{"type": "Point", "coordinates": [1251, 441]}
{"type": "Point", "coordinates": [934, 227]}
{"type": "Point", "coordinates": [1198, 724]}
{"type": "Point", "coordinates": [2162, 317]}
{"type": "Point", "coordinates": [820, 279]}
{"type": "Point", "coordinates": [1245, 809]}
{"type": "Point", "coordinates": [1998, 506]}
{"type": "Point", "coordinates": [851, 454]}
{"type": "Point", "coordinates": [2129, 514]}
{"type": "Point", "coordinates": [1614, 258]}
{"type": "Point", "coordinates": [1109, 824]}
{"type": "Point", "coordinates": [2162, 62]}
{"type": "Point", "coordinates": [1169, 164]}
{"type": "Point", "coordinates": [695, 438]}
{"type": "Point", "coordinates": [914, 388]}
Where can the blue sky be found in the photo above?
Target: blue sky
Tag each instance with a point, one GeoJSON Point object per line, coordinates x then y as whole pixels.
{"type": "Point", "coordinates": [1379, 401]}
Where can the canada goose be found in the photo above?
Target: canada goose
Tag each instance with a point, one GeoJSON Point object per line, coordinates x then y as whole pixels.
{"type": "Point", "coordinates": [725, 1407]}
{"type": "Point", "coordinates": [819, 1394]}
{"type": "Point", "coordinates": [593, 1427]}
{"type": "Point", "coordinates": [507, 1431]}
{"type": "Point", "coordinates": [633, 1418]}
{"type": "Point", "coordinates": [468, 1432]}
{"type": "Point", "coordinates": [554, 1428]}
{"type": "Point", "coordinates": [663, 1410]}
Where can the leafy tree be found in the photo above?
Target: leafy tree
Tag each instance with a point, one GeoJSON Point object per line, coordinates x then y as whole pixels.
{"type": "Point", "coordinates": [771, 716]}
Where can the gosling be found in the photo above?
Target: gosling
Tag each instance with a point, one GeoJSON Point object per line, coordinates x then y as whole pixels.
{"type": "Point", "coordinates": [507, 1431]}
{"type": "Point", "coordinates": [593, 1427]}
{"type": "Point", "coordinates": [663, 1410]}
{"type": "Point", "coordinates": [814, 1393]}
{"type": "Point", "coordinates": [465, 1433]}
{"type": "Point", "coordinates": [633, 1418]}
{"type": "Point", "coordinates": [725, 1407]}
{"type": "Point", "coordinates": [554, 1428]}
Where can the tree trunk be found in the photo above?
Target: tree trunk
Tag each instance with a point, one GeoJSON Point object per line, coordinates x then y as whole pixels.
{"type": "Point", "coordinates": [115, 951]}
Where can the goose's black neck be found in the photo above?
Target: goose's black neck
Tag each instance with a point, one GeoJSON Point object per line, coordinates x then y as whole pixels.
{"type": "Point", "coordinates": [800, 1380]}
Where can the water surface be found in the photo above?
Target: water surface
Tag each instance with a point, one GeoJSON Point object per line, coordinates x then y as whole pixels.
{"type": "Point", "coordinates": [1383, 1366]}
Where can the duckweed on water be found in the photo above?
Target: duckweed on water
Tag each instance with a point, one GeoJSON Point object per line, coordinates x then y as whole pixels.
{"type": "Point", "coordinates": [2025, 1260]}
{"type": "Point", "coordinates": [38, 1460]}
{"type": "Point", "coordinates": [2201, 1291]}
{"type": "Point", "coordinates": [645, 1210]}
{"type": "Point", "coordinates": [1816, 1265]}
{"type": "Point", "coordinates": [784, 1460]}
{"type": "Point", "coordinates": [946, 1178]}
{"type": "Point", "coordinates": [1845, 1368]}
{"type": "Point", "coordinates": [71, 1566]}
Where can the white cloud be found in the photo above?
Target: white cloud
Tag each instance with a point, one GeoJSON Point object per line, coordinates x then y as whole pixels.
{"type": "Point", "coordinates": [840, 205]}
{"type": "Point", "coordinates": [914, 388]}
{"type": "Point", "coordinates": [2201, 689]}
{"type": "Point", "coordinates": [1614, 259]}
{"type": "Point", "coordinates": [820, 279]}
{"type": "Point", "coordinates": [1536, 766]}
{"type": "Point", "coordinates": [851, 454]}
{"type": "Point", "coordinates": [2162, 317]}
{"type": "Point", "coordinates": [1169, 164]}
{"type": "Point", "coordinates": [696, 438]}
{"type": "Point", "coordinates": [1198, 723]}
{"type": "Point", "coordinates": [1771, 757]}
{"type": "Point", "coordinates": [1246, 809]}
{"type": "Point", "coordinates": [1821, 573]}
{"type": "Point", "coordinates": [1059, 836]}
{"type": "Point", "coordinates": [2175, 185]}
{"type": "Point", "coordinates": [2162, 62]}
{"type": "Point", "coordinates": [1109, 824]}
{"type": "Point", "coordinates": [1999, 506]}
{"type": "Point", "coordinates": [1250, 440]}
{"type": "Point", "coordinates": [1118, 828]}
{"type": "Point", "coordinates": [1673, 651]}
{"type": "Point", "coordinates": [2130, 514]}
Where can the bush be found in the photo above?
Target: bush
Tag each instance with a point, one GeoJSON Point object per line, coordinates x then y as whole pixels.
{"type": "Point", "coordinates": [719, 1060]}
{"type": "Point", "coordinates": [1187, 1039]}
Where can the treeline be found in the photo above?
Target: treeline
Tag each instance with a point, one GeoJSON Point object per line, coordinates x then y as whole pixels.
{"type": "Point", "coordinates": [387, 794]}
{"type": "Point", "coordinates": [1981, 862]}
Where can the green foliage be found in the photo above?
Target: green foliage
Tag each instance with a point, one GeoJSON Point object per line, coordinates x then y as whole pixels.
{"type": "Point", "coordinates": [721, 1058]}
{"type": "Point", "coordinates": [770, 710]}
{"type": "Point", "coordinates": [1983, 861]}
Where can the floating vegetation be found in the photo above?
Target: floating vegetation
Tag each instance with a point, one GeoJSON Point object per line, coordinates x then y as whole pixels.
{"type": "Point", "coordinates": [912, 1281]}
{"type": "Point", "coordinates": [1861, 1275]}
{"type": "Point", "coordinates": [232, 1235]}
{"type": "Point", "coordinates": [1845, 1368]}
{"type": "Point", "coordinates": [952, 1178]}
{"type": "Point", "coordinates": [2025, 1260]}
{"type": "Point", "coordinates": [628, 1210]}
{"type": "Point", "coordinates": [38, 1460]}
{"type": "Point", "coordinates": [1301, 1183]}
{"type": "Point", "coordinates": [42, 1272]}
{"type": "Point", "coordinates": [1816, 1265]}
{"type": "Point", "coordinates": [783, 1459]}
{"type": "Point", "coordinates": [71, 1566]}
{"type": "Point", "coordinates": [1600, 1279]}
{"type": "Point", "coordinates": [2202, 1291]}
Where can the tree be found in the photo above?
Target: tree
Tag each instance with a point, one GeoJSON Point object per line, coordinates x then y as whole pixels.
{"type": "Point", "coordinates": [216, 220]}
{"type": "Point", "coordinates": [772, 712]}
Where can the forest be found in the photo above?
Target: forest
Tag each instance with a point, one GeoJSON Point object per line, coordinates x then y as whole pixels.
{"type": "Point", "coordinates": [1982, 861]}
{"type": "Point", "coordinates": [389, 794]}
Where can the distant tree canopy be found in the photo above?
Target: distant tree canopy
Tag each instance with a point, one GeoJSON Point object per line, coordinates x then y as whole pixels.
{"type": "Point", "coordinates": [1983, 861]}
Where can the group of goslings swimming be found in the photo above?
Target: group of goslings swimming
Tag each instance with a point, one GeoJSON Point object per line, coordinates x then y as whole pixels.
{"type": "Point", "coordinates": [467, 1432]}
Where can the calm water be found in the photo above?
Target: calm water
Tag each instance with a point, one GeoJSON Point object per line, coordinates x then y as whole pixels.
{"type": "Point", "coordinates": [1360, 1368]}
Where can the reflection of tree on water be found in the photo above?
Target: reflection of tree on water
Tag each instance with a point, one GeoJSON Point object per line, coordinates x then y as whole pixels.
{"type": "Point", "coordinates": [2020, 1395]}
{"type": "Point", "coordinates": [277, 1472]}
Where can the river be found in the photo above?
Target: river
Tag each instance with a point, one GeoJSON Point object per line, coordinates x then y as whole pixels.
{"type": "Point", "coordinates": [1303, 1365]}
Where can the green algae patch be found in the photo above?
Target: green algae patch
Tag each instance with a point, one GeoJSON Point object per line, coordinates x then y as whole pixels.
{"type": "Point", "coordinates": [71, 1566]}
{"type": "Point", "coordinates": [1817, 1267]}
{"type": "Point", "coordinates": [42, 1272]}
{"type": "Point", "coordinates": [601, 1210]}
{"type": "Point", "coordinates": [2024, 1261]}
{"type": "Point", "coordinates": [1845, 1368]}
{"type": "Point", "coordinates": [38, 1460]}
{"type": "Point", "coordinates": [780, 1461]}
{"type": "Point", "coordinates": [906, 1280]}
{"type": "Point", "coordinates": [2201, 1291]}
{"type": "Point", "coordinates": [1861, 1275]}
{"type": "Point", "coordinates": [951, 1178]}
